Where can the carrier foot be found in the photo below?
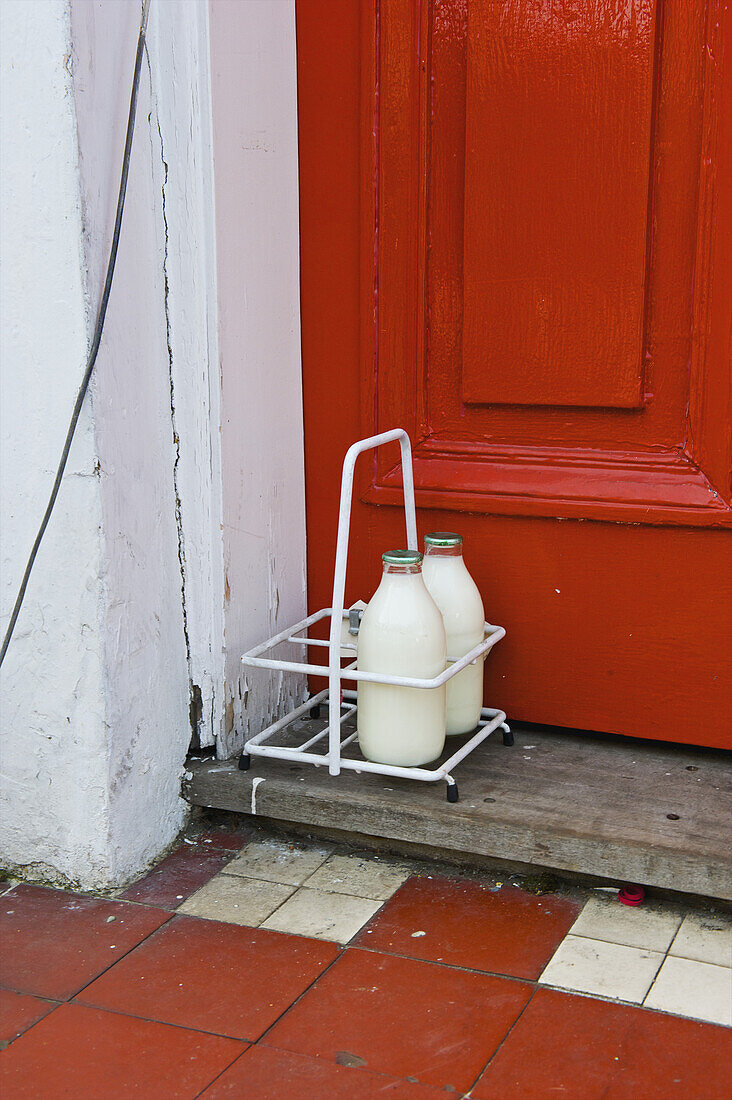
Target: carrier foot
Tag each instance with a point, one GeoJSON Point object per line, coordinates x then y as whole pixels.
{"type": "Point", "coordinates": [452, 792]}
{"type": "Point", "coordinates": [244, 762]}
{"type": "Point", "coordinates": [507, 735]}
{"type": "Point", "coordinates": [315, 711]}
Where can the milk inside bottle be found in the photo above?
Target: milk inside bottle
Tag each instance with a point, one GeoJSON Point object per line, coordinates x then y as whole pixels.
{"type": "Point", "coordinates": [456, 594]}
{"type": "Point", "coordinates": [402, 634]}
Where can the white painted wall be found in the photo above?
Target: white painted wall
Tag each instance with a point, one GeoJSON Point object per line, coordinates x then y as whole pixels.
{"type": "Point", "coordinates": [254, 93]}
{"type": "Point", "coordinates": [53, 744]}
{"type": "Point", "coordinates": [140, 435]}
{"type": "Point", "coordinates": [179, 68]}
{"type": "Point", "coordinates": [96, 684]}
{"type": "Point", "coordinates": [178, 537]}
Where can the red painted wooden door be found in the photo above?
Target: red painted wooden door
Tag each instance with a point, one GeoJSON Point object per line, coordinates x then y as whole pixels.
{"type": "Point", "coordinates": [516, 226]}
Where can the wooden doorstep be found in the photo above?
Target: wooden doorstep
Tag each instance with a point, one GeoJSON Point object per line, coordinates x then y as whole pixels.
{"type": "Point", "coordinates": [574, 802]}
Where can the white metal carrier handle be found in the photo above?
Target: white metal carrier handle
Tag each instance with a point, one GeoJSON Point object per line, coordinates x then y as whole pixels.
{"type": "Point", "coordinates": [339, 579]}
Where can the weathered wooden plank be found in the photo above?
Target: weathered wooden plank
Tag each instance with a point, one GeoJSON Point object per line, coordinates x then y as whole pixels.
{"type": "Point", "coordinates": [570, 802]}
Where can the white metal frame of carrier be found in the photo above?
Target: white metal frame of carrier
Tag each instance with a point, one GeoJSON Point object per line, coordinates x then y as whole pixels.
{"type": "Point", "coordinates": [341, 703]}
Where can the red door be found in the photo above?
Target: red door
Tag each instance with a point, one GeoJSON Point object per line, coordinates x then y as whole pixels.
{"type": "Point", "coordinates": [516, 237]}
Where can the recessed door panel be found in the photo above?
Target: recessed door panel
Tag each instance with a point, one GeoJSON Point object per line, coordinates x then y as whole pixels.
{"type": "Point", "coordinates": [558, 114]}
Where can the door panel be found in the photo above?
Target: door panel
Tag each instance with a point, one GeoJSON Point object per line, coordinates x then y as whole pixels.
{"type": "Point", "coordinates": [557, 171]}
{"type": "Point", "coordinates": [533, 285]}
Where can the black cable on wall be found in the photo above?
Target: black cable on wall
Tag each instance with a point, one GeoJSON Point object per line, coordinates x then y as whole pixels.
{"type": "Point", "coordinates": [97, 336]}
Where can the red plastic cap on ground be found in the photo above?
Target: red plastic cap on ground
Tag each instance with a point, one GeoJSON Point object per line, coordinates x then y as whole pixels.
{"type": "Point", "coordinates": [631, 895]}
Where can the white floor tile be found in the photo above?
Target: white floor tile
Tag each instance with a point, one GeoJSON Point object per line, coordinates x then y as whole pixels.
{"type": "Point", "coordinates": [277, 861]}
{"type": "Point", "coordinates": [606, 969]}
{"type": "Point", "coordinates": [236, 900]}
{"type": "Point", "coordinates": [363, 878]}
{"type": "Point", "coordinates": [705, 937]}
{"type": "Point", "coordinates": [648, 926]}
{"type": "Point", "coordinates": [322, 915]}
{"type": "Point", "coordinates": [697, 989]}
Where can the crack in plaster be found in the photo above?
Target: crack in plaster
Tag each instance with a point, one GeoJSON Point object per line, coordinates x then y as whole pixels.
{"type": "Point", "coordinates": [194, 690]}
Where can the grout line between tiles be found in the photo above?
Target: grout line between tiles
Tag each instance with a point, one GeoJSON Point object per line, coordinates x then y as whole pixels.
{"type": "Point", "coordinates": [307, 877]}
{"type": "Point", "coordinates": [49, 1000]}
{"type": "Point", "coordinates": [341, 950]}
{"type": "Point", "coordinates": [634, 947]}
{"type": "Point", "coordinates": [437, 962]}
{"type": "Point", "coordinates": [652, 1008]}
{"type": "Point", "coordinates": [123, 955]}
{"type": "Point", "coordinates": [673, 941]}
{"type": "Point", "coordinates": [153, 905]}
{"type": "Point", "coordinates": [503, 1040]}
{"type": "Point", "coordinates": [346, 894]}
{"type": "Point", "coordinates": [165, 1023]}
{"type": "Point", "coordinates": [650, 987]}
{"type": "Point", "coordinates": [169, 916]}
{"type": "Point", "coordinates": [36, 996]}
{"type": "Point", "coordinates": [331, 964]}
{"type": "Point", "coordinates": [223, 1071]}
{"type": "Point", "coordinates": [276, 909]}
{"type": "Point", "coordinates": [653, 979]}
{"type": "Point", "coordinates": [351, 943]}
{"type": "Point", "coordinates": [357, 897]}
{"type": "Point", "coordinates": [631, 1004]}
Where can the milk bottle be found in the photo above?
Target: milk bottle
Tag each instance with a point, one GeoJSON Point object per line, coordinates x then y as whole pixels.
{"type": "Point", "coordinates": [457, 596]}
{"type": "Point", "coordinates": [401, 633]}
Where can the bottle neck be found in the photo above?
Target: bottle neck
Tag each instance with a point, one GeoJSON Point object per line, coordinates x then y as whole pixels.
{"type": "Point", "coordinates": [443, 552]}
{"type": "Point", "coordinates": [392, 570]}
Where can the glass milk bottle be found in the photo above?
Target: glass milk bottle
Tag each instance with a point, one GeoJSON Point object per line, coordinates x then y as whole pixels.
{"type": "Point", "coordinates": [457, 596]}
{"type": "Point", "coordinates": [402, 634]}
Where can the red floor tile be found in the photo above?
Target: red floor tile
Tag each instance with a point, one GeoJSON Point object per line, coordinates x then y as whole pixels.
{"type": "Point", "coordinates": [79, 1052]}
{"type": "Point", "coordinates": [580, 1048]}
{"type": "Point", "coordinates": [505, 931]}
{"type": "Point", "coordinates": [404, 1018]}
{"type": "Point", "coordinates": [217, 977]}
{"type": "Point", "coordinates": [19, 1011]}
{"type": "Point", "coordinates": [55, 943]}
{"type": "Point", "coordinates": [263, 1073]}
{"type": "Point", "coordinates": [178, 876]}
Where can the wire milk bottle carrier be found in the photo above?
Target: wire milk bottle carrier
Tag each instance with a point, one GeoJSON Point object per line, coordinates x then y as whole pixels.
{"type": "Point", "coordinates": [342, 703]}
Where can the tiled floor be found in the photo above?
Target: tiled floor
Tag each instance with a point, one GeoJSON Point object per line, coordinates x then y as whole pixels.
{"type": "Point", "coordinates": [262, 969]}
{"type": "Point", "coordinates": [653, 955]}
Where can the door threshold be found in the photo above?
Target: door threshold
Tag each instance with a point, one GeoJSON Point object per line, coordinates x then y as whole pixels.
{"type": "Point", "coordinates": [619, 809]}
